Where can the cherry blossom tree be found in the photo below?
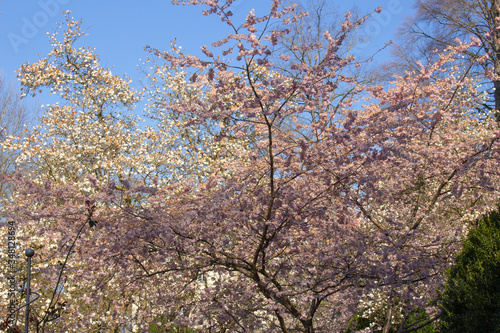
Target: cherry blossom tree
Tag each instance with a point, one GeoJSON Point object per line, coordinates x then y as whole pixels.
{"type": "Point", "coordinates": [297, 211]}
{"type": "Point", "coordinates": [350, 203]}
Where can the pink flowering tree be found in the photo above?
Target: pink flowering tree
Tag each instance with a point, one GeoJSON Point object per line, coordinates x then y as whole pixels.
{"type": "Point", "coordinates": [299, 211]}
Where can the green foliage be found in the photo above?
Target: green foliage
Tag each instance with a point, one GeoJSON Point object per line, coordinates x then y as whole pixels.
{"type": "Point", "coordinates": [471, 298]}
{"type": "Point", "coordinates": [417, 316]}
{"type": "Point", "coordinates": [358, 322]}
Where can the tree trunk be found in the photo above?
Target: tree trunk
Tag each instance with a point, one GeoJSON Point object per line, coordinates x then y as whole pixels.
{"type": "Point", "coordinates": [495, 12]}
{"type": "Point", "coordinates": [308, 326]}
{"type": "Point", "coordinates": [388, 318]}
{"type": "Point", "coordinates": [496, 85]}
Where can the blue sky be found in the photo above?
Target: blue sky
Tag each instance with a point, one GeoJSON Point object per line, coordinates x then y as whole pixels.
{"type": "Point", "coordinates": [119, 30]}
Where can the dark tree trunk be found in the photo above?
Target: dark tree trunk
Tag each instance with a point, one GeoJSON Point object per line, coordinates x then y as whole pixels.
{"type": "Point", "coordinates": [496, 85]}
{"type": "Point", "coordinates": [308, 326]}
{"type": "Point", "coordinates": [495, 12]}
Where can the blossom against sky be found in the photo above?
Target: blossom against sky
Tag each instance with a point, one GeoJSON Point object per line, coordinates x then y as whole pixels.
{"type": "Point", "coordinates": [119, 30]}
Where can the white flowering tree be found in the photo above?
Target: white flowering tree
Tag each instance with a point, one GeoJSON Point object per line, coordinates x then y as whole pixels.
{"type": "Point", "coordinates": [89, 141]}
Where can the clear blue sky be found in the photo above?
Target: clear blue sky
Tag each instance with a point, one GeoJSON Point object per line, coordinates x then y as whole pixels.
{"type": "Point", "coordinates": [119, 30]}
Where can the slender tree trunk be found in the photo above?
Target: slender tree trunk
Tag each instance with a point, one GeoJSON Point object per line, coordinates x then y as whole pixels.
{"type": "Point", "coordinates": [496, 85]}
{"type": "Point", "coordinates": [308, 326]}
{"type": "Point", "coordinates": [495, 12]}
{"type": "Point", "coordinates": [282, 322]}
{"type": "Point", "coordinates": [388, 318]}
